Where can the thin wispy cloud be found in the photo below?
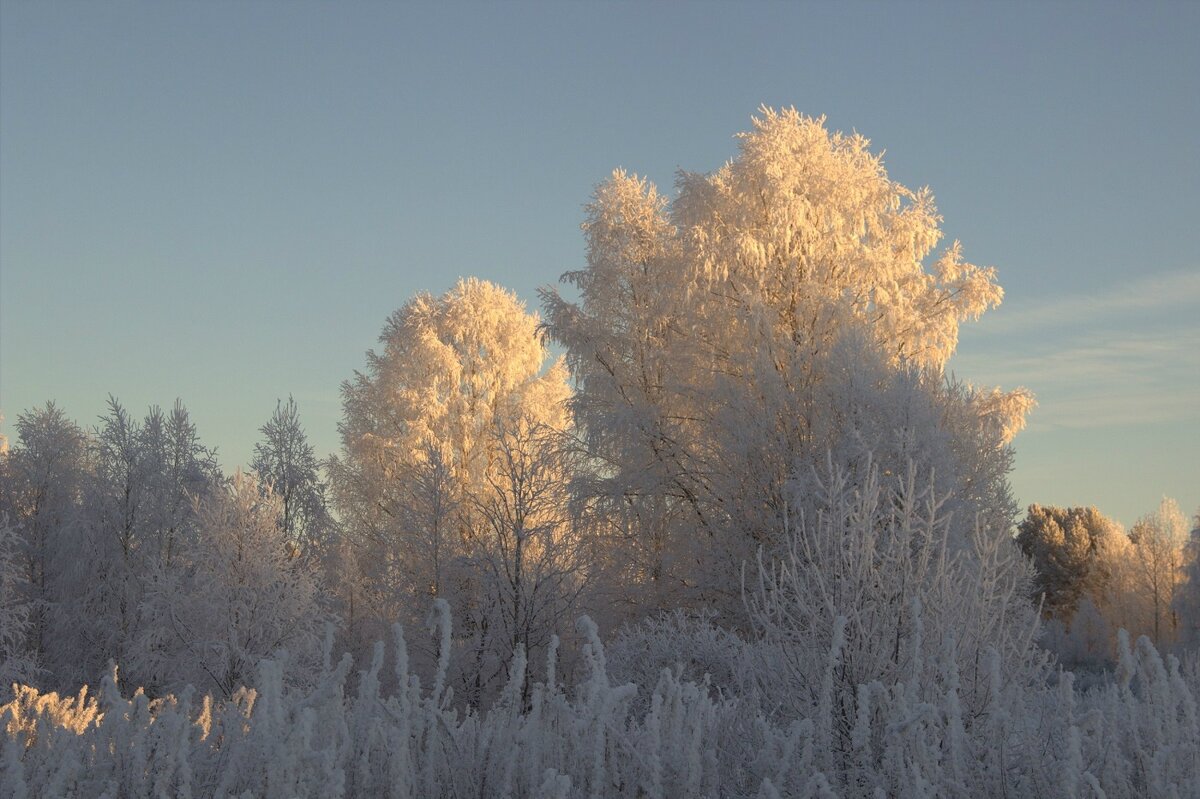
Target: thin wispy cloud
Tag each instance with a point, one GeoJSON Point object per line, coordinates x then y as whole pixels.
{"type": "Point", "coordinates": [1163, 292]}
{"type": "Point", "coordinates": [1132, 406]}
{"type": "Point", "coordinates": [1096, 356]}
{"type": "Point", "coordinates": [1121, 358]}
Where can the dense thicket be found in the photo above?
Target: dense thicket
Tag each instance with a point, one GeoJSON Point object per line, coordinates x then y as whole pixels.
{"type": "Point", "coordinates": [910, 737]}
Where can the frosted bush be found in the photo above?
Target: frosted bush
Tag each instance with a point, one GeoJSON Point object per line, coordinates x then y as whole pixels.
{"type": "Point", "coordinates": [1137, 737]}
{"type": "Point", "coordinates": [873, 578]}
{"type": "Point", "coordinates": [690, 645]}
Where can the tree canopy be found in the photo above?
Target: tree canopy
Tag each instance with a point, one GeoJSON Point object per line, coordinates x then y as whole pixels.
{"type": "Point", "coordinates": [777, 311]}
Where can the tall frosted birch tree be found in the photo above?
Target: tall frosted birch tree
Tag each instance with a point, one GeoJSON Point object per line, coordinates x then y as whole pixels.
{"type": "Point", "coordinates": [790, 306]}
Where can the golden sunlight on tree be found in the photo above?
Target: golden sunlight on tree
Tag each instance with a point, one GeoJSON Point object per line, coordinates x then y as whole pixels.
{"type": "Point", "coordinates": [451, 480]}
{"type": "Point", "coordinates": [788, 306]}
{"type": "Point", "coordinates": [1158, 541]}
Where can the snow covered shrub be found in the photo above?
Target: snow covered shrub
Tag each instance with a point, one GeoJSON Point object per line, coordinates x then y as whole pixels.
{"type": "Point", "coordinates": [689, 645]}
{"type": "Point", "coordinates": [911, 736]}
{"type": "Point", "coordinates": [873, 581]}
{"type": "Point", "coordinates": [273, 742]}
{"type": "Point", "coordinates": [1141, 735]}
{"type": "Point", "coordinates": [1086, 644]}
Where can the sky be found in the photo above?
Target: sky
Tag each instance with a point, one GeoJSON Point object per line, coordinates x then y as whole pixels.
{"type": "Point", "coordinates": [222, 202]}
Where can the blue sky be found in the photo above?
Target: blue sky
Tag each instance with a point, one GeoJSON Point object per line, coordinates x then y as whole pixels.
{"type": "Point", "coordinates": [223, 201]}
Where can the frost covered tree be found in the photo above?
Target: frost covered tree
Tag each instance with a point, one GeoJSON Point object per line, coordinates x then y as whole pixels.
{"type": "Point", "coordinates": [287, 465]}
{"type": "Point", "coordinates": [240, 594]}
{"type": "Point", "coordinates": [869, 594]}
{"type": "Point", "coordinates": [18, 661]}
{"type": "Point", "coordinates": [43, 480]}
{"type": "Point", "coordinates": [1124, 604]}
{"type": "Point", "coordinates": [178, 469]}
{"type": "Point", "coordinates": [786, 306]}
{"type": "Point", "coordinates": [100, 518]}
{"type": "Point", "coordinates": [139, 513]}
{"type": "Point", "coordinates": [1158, 541]}
{"type": "Point", "coordinates": [533, 559]}
{"type": "Point", "coordinates": [445, 482]}
{"type": "Point", "coordinates": [1187, 599]}
{"type": "Point", "coordinates": [1068, 547]}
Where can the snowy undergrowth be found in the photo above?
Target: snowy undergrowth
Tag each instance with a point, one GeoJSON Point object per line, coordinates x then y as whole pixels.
{"type": "Point", "coordinates": [1138, 736]}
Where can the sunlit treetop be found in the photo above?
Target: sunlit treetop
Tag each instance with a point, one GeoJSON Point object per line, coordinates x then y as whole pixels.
{"type": "Point", "coordinates": [803, 222]}
{"type": "Point", "coordinates": [769, 260]}
{"type": "Point", "coordinates": [450, 370]}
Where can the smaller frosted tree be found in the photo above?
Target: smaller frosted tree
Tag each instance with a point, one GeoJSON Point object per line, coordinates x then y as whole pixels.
{"type": "Point", "coordinates": [532, 558]}
{"type": "Point", "coordinates": [139, 517]}
{"type": "Point", "coordinates": [444, 484]}
{"type": "Point", "coordinates": [286, 465]}
{"type": "Point", "coordinates": [243, 597]}
{"type": "Point", "coordinates": [16, 662]}
{"type": "Point", "coordinates": [1187, 599]}
{"type": "Point", "coordinates": [41, 486]}
{"type": "Point", "coordinates": [1158, 550]}
{"type": "Point", "coordinates": [1067, 547]}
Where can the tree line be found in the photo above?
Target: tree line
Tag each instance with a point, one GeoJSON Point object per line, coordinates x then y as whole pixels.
{"type": "Point", "coordinates": [1095, 578]}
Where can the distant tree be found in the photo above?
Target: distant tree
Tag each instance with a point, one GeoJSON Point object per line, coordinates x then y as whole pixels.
{"type": "Point", "coordinates": [1123, 604]}
{"type": "Point", "coordinates": [1067, 547]}
{"type": "Point", "coordinates": [1158, 541]}
{"type": "Point", "coordinates": [179, 468]}
{"type": "Point", "coordinates": [140, 515]}
{"type": "Point", "coordinates": [43, 478]}
{"type": "Point", "coordinates": [287, 466]}
{"type": "Point", "coordinates": [1187, 597]}
{"type": "Point", "coordinates": [18, 662]}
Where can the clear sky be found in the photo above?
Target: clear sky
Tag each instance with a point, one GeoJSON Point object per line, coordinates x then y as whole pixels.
{"type": "Point", "coordinates": [223, 201]}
